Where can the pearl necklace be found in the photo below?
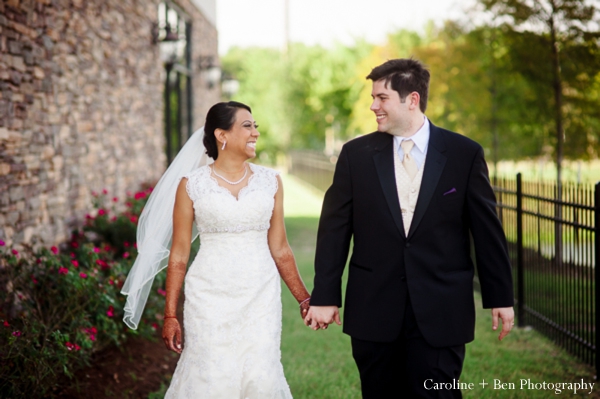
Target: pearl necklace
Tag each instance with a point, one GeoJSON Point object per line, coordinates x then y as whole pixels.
{"type": "Point", "coordinates": [233, 183]}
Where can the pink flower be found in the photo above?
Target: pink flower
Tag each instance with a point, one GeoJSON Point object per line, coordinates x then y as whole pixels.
{"type": "Point", "coordinates": [95, 194]}
{"type": "Point", "coordinates": [110, 282]}
{"type": "Point", "coordinates": [101, 212]}
{"type": "Point", "coordinates": [2, 243]}
{"type": "Point", "coordinates": [162, 292]}
{"type": "Point", "coordinates": [104, 191]}
{"type": "Point", "coordinates": [126, 255]}
{"type": "Point", "coordinates": [38, 261]}
{"type": "Point", "coordinates": [33, 279]}
{"type": "Point", "coordinates": [15, 252]}
{"type": "Point", "coordinates": [128, 204]}
{"type": "Point", "coordinates": [96, 250]}
{"type": "Point", "coordinates": [16, 333]}
{"type": "Point", "coordinates": [102, 264]}
{"type": "Point", "coordinates": [6, 323]}
{"type": "Point", "coordinates": [133, 219]}
{"type": "Point", "coordinates": [126, 244]}
{"type": "Point", "coordinates": [110, 312]}
{"type": "Point", "coordinates": [139, 195]}
{"type": "Point", "coordinates": [91, 332]}
{"type": "Point", "coordinates": [115, 199]}
{"type": "Point", "coordinates": [82, 275]}
{"type": "Point", "coordinates": [88, 216]}
{"type": "Point", "coordinates": [74, 244]}
{"type": "Point", "coordinates": [75, 263]}
{"type": "Point", "coordinates": [113, 219]}
{"type": "Point", "coordinates": [107, 248]}
{"type": "Point", "coordinates": [63, 270]}
{"type": "Point", "coordinates": [71, 346]}
{"type": "Point", "coordinates": [72, 254]}
{"type": "Point", "coordinates": [54, 250]}
{"type": "Point", "coordinates": [154, 326]}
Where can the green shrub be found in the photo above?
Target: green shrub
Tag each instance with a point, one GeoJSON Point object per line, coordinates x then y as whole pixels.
{"type": "Point", "coordinates": [59, 306]}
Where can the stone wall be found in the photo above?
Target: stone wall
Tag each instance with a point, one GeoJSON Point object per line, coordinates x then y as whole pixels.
{"type": "Point", "coordinates": [81, 108]}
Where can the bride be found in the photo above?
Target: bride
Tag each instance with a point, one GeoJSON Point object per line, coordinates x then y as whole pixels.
{"type": "Point", "coordinates": [232, 308]}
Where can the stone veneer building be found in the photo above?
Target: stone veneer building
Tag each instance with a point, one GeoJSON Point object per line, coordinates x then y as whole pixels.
{"type": "Point", "coordinates": [82, 89]}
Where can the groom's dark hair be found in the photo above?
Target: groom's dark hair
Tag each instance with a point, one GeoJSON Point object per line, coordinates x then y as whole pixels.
{"type": "Point", "coordinates": [405, 75]}
{"type": "Point", "coordinates": [219, 116]}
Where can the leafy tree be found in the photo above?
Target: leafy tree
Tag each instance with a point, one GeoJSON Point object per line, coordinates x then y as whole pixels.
{"type": "Point", "coordinates": [474, 90]}
{"type": "Point", "coordinates": [298, 98]}
{"type": "Point", "coordinates": [556, 45]}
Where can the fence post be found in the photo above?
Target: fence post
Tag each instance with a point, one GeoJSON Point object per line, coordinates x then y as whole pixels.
{"type": "Point", "coordinates": [596, 273]}
{"type": "Point", "coordinates": [520, 273]}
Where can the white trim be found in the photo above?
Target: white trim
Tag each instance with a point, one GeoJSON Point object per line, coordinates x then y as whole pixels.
{"type": "Point", "coordinates": [208, 9]}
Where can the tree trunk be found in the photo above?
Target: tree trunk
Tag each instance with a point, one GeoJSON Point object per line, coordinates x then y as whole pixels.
{"type": "Point", "coordinates": [557, 85]}
{"type": "Point", "coordinates": [494, 108]}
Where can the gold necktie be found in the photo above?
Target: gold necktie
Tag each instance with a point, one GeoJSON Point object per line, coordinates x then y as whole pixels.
{"type": "Point", "coordinates": [409, 162]}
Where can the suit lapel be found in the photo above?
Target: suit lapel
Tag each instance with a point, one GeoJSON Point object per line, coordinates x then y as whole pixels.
{"type": "Point", "coordinates": [434, 165]}
{"type": "Point", "coordinates": [384, 164]}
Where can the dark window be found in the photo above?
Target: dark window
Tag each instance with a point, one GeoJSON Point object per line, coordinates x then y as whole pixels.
{"type": "Point", "coordinates": [174, 37]}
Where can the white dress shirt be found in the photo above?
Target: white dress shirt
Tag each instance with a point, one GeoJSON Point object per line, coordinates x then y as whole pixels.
{"type": "Point", "coordinates": [421, 140]}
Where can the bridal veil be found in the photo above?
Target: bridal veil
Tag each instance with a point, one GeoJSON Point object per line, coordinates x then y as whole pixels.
{"type": "Point", "coordinates": [155, 228]}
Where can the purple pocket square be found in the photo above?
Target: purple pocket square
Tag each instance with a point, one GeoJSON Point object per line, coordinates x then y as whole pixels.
{"type": "Point", "coordinates": [450, 192]}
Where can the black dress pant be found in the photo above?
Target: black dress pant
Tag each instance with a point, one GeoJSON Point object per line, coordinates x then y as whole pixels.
{"type": "Point", "coordinates": [407, 366]}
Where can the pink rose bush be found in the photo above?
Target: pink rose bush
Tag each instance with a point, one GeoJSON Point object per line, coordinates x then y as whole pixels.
{"type": "Point", "coordinates": [64, 301]}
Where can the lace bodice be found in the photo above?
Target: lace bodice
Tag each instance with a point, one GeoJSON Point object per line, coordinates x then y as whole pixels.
{"type": "Point", "coordinates": [218, 211]}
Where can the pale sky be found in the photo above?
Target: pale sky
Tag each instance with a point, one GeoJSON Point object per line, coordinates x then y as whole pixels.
{"type": "Point", "coordinates": [261, 22]}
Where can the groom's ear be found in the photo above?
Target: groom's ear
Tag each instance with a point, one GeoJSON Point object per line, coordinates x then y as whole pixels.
{"type": "Point", "coordinates": [413, 100]}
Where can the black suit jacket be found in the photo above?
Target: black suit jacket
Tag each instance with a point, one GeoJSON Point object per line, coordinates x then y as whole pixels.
{"type": "Point", "coordinates": [432, 265]}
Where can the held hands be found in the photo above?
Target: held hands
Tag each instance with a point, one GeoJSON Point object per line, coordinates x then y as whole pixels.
{"type": "Point", "coordinates": [507, 315]}
{"type": "Point", "coordinates": [320, 317]}
{"type": "Point", "coordinates": [171, 334]}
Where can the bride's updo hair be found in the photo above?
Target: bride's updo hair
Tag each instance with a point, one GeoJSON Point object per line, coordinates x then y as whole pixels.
{"type": "Point", "coordinates": [219, 116]}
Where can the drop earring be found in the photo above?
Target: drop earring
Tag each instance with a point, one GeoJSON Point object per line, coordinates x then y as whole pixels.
{"type": "Point", "coordinates": [223, 147]}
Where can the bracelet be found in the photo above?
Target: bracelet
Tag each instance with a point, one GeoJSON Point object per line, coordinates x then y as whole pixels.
{"type": "Point", "coordinates": [301, 303]}
{"type": "Point", "coordinates": [169, 317]}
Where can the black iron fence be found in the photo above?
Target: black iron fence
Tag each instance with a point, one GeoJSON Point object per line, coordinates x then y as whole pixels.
{"type": "Point", "coordinates": [313, 167]}
{"type": "Point", "coordinates": [553, 243]}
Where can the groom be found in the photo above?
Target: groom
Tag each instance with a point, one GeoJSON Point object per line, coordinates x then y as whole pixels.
{"type": "Point", "coordinates": [409, 196]}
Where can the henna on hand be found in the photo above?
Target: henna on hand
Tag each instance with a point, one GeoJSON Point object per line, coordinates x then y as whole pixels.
{"type": "Point", "coordinates": [171, 334]}
{"type": "Point", "coordinates": [286, 265]}
{"type": "Point", "coordinates": [171, 329]}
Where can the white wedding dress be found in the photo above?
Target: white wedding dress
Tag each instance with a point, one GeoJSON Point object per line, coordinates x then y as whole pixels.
{"type": "Point", "coordinates": [232, 308]}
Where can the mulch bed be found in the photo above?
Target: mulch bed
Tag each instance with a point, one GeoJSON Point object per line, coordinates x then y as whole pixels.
{"type": "Point", "coordinates": [134, 371]}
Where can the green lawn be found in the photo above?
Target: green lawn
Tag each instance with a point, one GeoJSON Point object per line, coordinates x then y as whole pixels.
{"type": "Point", "coordinates": [319, 364]}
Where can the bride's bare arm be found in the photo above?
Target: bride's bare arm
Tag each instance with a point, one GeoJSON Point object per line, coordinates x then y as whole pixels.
{"type": "Point", "coordinates": [283, 255]}
{"type": "Point", "coordinates": [183, 218]}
